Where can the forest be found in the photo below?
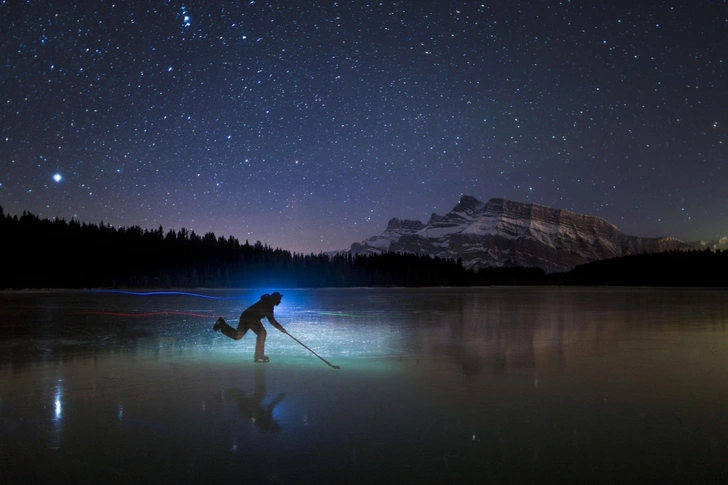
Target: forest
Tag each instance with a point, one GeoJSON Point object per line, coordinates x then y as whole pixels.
{"type": "Point", "coordinates": [43, 253]}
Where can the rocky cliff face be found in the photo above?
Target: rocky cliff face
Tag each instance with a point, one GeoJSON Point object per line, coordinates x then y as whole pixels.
{"type": "Point", "coordinates": [506, 233]}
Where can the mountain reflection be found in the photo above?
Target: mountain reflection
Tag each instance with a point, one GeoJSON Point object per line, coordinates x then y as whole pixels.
{"type": "Point", "coordinates": [524, 329]}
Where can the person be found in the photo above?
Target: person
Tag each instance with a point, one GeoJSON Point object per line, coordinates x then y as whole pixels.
{"type": "Point", "coordinates": [250, 319]}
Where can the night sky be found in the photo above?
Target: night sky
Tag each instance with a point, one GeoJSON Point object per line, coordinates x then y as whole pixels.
{"type": "Point", "coordinates": [307, 125]}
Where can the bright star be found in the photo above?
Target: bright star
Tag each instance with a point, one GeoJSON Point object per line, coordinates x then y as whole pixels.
{"type": "Point", "coordinates": [57, 177]}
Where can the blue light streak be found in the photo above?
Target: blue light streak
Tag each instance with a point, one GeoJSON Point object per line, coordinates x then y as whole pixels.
{"type": "Point", "coordinates": [167, 293]}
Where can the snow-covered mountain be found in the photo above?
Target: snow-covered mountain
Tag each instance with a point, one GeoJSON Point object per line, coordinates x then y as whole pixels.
{"type": "Point", "coordinates": [505, 233]}
{"type": "Point", "coordinates": [719, 244]}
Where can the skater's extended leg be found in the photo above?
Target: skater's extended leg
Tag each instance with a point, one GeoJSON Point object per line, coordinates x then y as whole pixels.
{"type": "Point", "coordinates": [229, 331]}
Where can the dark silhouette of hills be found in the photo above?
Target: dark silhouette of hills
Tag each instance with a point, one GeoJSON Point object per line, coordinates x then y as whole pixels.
{"type": "Point", "coordinates": [42, 253]}
{"type": "Point", "coordinates": [669, 268]}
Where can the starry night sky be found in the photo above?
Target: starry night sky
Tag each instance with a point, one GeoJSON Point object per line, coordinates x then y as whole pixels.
{"type": "Point", "coordinates": [307, 125]}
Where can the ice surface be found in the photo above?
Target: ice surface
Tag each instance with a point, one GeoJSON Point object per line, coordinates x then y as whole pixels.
{"type": "Point", "coordinates": [485, 385]}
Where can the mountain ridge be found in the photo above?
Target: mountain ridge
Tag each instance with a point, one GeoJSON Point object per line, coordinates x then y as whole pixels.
{"type": "Point", "coordinates": [505, 233]}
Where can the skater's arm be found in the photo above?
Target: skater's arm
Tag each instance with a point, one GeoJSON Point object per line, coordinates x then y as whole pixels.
{"type": "Point", "coordinates": [275, 323]}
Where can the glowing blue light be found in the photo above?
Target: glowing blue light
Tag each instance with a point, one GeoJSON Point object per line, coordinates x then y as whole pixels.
{"type": "Point", "coordinates": [57, 177]}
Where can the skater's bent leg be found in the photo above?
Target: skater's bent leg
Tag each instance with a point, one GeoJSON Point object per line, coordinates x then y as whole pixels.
{"type": "Point", "coordinates": [231, 332]}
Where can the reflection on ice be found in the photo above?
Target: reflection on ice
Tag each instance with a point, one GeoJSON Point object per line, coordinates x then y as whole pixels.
{"type": "Point", "coordinates": [256, 405]}
{"type": "Point", "coordinates": [57, 415]}
{"type": "Point", "coordinates": [436, 385]}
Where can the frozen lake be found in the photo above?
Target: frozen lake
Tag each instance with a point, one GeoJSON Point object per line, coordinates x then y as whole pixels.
{"type": "Point", "coordinates": [484, 385]}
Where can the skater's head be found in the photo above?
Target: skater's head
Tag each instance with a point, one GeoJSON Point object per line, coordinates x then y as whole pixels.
{"type": "Point", "coordinates": [275, 298]}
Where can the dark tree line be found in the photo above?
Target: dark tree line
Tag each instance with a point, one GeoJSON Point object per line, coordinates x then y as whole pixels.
{"type": "Point", "coordinates": [42, 253]}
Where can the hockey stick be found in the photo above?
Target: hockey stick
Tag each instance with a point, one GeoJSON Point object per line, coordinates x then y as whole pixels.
{"type": "Point", "coordinates": [314, 353]}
